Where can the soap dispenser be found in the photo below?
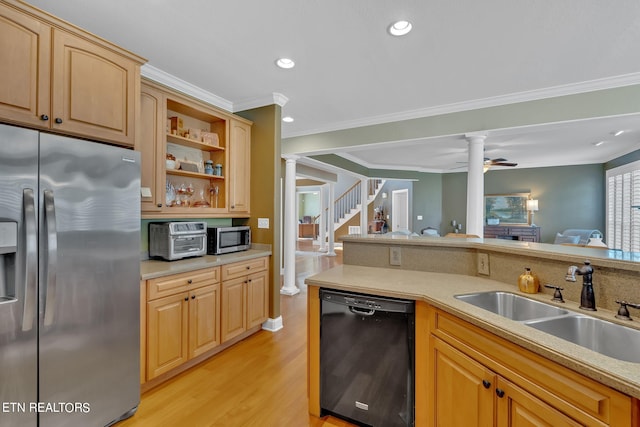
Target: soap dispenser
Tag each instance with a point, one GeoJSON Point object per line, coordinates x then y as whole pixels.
{"type": "Point", "coordinates": [528, 282]}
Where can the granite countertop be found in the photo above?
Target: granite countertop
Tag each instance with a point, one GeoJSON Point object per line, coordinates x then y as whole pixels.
{"type": "Point", "coordinates": [151, 269]}
{"type": "Point", "coordinates": [605, 257]}
{"type": "Point", "coordinates": [438, 289]}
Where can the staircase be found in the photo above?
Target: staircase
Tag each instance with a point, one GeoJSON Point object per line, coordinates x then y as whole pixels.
{"type": "Point", "coordinates": [349, 203]}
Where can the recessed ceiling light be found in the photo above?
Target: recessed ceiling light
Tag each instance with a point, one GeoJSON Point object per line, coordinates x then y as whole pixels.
{"type": "Point", "coordinates": [618, 133]}
{"type": "Point", "coordinates": [598, 144]}
{"type": "Point", "coordinates": [400, 28]}
{"type": "Point", "coordinates": [285, 63]}
{"type": "Point", "coordinates": [287, 119]}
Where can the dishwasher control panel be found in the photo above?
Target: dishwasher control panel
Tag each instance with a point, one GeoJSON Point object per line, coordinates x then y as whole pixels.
{"type": "Point", "coordinates": [370, 302]}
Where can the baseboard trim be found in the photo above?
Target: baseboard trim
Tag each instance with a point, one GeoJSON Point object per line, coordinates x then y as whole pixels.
{"type": "Point", "coordinates": [273, 325]}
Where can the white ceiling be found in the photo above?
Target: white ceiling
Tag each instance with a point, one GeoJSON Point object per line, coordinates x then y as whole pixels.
{"type": "Point", "coordinates": [349, 72]}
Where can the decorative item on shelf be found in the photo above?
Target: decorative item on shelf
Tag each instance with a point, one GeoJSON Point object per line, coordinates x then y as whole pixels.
{"type": "Point", "coordinates": [532, 207]}
{"type": "Point", "coordinates": [176, 125]}
{"type": "Point", "coordinates": [208, 167]}
{"type": "Point", "coordinates": [193, 134]}
{"type": "Point", "coordinates": [456, 226]}
{"type": "Point", "coordinates": [596, 241]}
{"type": "Point", "coordinates": [201, 202]}
{"type": "Point", "coordinates": [170, 198]}
{"type": "Point", "coordinates": [213, 195]}
{"type": "Point", "coordinates": [218, 169]}
{"type": "Point", "coordinates": [171, 161]}
{"type": "Point", "coordinates": [528, 282]}
{"type": "Point", "coordinates": [210, 138]}
{"type": "Point", "coordinates": [189, 166]}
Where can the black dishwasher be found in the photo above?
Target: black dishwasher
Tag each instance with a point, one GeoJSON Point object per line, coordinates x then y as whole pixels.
{"type": "Point", "coordinates": [367, 358]}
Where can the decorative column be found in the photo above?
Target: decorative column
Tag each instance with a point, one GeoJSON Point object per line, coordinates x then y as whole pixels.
{"type": "Point", "coordinates": [323, 218]}
{"type": "Point", "coordinates": [364, 205]}
{"type": "Point", "coordinates": [290, 224]}
{"type": "Point", "coordinates": [331, 220]}
{"type": "Point", "coordinates": [475, 184]}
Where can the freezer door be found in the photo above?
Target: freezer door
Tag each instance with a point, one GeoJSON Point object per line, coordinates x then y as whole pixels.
{"type": "Point", "coordinates": [18, 275]}
{"type": "Point", "coordinates": [89, 281]}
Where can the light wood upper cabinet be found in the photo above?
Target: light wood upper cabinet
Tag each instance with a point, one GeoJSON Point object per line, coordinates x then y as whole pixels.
{"type": "Point", "coordinates": [25, 60]}
{"type": "Point", "coordinates": [57, 77]}
{"type": "Point", "coordinates": [239, 166]}
{"type": "Point", "coordinates": [152, 155]}
{"type": "Point", "coordinates": [94, 90]}
{"type": "Point", "coordinates": [194, 133]}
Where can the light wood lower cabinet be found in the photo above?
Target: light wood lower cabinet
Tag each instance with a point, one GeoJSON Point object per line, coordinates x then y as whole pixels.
{"type": "Point", "coordinates": [466, 393]}
{"type": "Point", "coordinates": [480, 379]}
{"type": "Point", "coordinates": [183, 324]}
{"type": "Point", "coordinates": [188, 317]}
{"type": "Point", "coordinates": [245, 296]}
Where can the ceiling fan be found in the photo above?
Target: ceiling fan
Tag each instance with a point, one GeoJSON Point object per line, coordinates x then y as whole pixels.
{"type": "Point", "coordinates": [488, 163]}
{"type": "Point", "coordinates": [498, 162]}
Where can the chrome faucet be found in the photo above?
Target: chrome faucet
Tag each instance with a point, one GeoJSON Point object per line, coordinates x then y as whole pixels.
{"type": "Point", "coordinates": [587, 298]}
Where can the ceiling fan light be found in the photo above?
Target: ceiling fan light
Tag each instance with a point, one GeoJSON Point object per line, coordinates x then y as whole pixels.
{"type": "Point", "coordinates": [287, 119]}
{"type": "Point", "coordinates": [618, 133]}
{"type": "Point", "coordinates": [400, 28]}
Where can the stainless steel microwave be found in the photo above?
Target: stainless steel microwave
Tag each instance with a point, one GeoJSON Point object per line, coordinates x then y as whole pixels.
{"type": "Point", "coordinates": [223, 240]}
{"type": "Point", "coordinates": [177, 240]}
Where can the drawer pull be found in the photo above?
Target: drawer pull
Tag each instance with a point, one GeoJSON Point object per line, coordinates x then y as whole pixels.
{"type": "Point", "coordinates": [486, 384]}
{"type": "Point", "coordinates": [189, 281]}
{"type": "Point", "coordinates": [193, 297]}
{"type": "Point", "coordinates": [500, 392]}
{"type": "Point", "coordinates": [186, 298]}
{"type": "Point", "coordinates": [248, 267]}
{"type": "Point", "coordinates": [44, 117]}
{"type": "Point", "coordinates": [58, 120]}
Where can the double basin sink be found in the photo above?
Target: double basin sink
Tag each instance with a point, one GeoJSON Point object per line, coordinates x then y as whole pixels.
{"type": "Point", "coordinates": [610, 339]}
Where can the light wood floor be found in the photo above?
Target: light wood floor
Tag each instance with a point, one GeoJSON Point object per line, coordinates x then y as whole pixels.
{"type": "Point", "coordinates": [261, 381]}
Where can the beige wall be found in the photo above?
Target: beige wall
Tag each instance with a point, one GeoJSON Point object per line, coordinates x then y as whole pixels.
{"type": "Point", "coordinates": [265, 186]}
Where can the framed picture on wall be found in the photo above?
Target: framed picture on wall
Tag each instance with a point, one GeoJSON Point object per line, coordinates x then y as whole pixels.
{"type": "Point", "coordinates": [506, 208]}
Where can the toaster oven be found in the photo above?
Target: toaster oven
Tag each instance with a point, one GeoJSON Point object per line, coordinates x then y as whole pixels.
{"type": "Point", "coordinates": [177, 240]}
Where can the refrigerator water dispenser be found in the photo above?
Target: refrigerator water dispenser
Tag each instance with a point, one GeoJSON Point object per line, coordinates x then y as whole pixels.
{"type": "Point", "coordinates": [8, 248]}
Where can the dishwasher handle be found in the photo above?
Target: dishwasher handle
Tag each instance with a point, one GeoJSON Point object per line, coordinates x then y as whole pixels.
{"type": "Point", "coordinates": [357, 311]}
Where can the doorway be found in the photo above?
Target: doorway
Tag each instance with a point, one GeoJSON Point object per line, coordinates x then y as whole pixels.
{"type": "Point", "coordinates": [400, 210]}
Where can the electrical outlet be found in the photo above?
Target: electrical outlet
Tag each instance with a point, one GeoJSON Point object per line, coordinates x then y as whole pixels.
{"type": "Point", "coordinates": [419, 217]}
{"type": "Point", "coordinates": [263, 222]}
{"type": "Point", "coordinates": [395, 255]}
{"type": "Point", "coordinates": [483, 264]}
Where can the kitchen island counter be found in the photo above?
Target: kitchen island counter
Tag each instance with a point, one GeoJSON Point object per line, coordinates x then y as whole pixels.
{"type": "Point", "coordinates": [439, 289]}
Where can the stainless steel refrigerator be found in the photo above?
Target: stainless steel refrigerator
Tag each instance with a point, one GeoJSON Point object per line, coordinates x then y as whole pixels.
{"type": "Point", "coordinates": [69, 280]}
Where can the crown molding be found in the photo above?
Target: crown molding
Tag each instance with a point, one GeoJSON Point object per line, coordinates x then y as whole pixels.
{"type": "Point", "coordinates": [531, 95]}
{"type": "Point", "coordinates": [169, 80]}
{"type": "Point", "coordinates": [274, 98]}
{"type": "Point", "coordinates": [157, 75]}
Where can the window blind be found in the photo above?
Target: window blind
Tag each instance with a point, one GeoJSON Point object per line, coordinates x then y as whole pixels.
{"type": "Point", "coordinates": [623, 207]}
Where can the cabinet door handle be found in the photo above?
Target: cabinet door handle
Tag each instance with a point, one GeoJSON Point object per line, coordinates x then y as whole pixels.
{"type": "Point", "coordinates": [193, 297]}
{"type": "Point", "coordinates": [190, 281]}
{"type": "Point", "coordinates": [186, 298]}
{"type": "Point", "coordinates": [500, 392]}
{"type": "Point", "coordinates": [486, 384]}
{"type": "Point", "coordinates": [58, 120]}
{"type": "Point", "coordinates": [44, 117]}
{"type": "Point", "coordinates": [248, 267]}
{"type": "Point", "coordinates": [159, 205]}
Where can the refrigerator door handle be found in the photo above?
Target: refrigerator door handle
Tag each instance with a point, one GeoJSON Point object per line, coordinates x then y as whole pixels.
{"type": "Point", "coordinates": [31, 259]}
{"type": "Point", "coordinates": [51, 256]}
